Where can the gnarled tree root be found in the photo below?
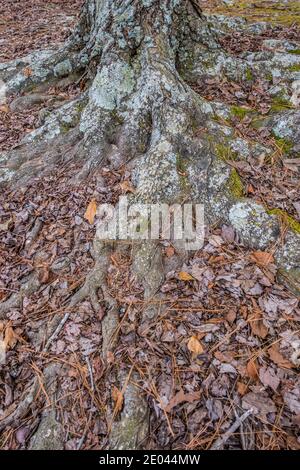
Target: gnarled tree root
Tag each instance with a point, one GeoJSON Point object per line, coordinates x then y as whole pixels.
{"type": "Point", "coordinates": [142, 114]}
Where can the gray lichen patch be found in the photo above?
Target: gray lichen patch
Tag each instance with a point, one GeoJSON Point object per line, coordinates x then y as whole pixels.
{"type": "Point", "coordinates": [49, 435]}
{"type": "Point", "coordinates": [254, 225]}
{"type": "Point", "coordinates": [9, 69]}
{"type": "Point", "coordinates": [112, 83]}
{"type": "Point", "coordinates": [62, 69]}
{"type": "Point", "coordinates": [288, 260]}
{"type": "Point", "coordinates": [58, 122]}
{"type": "Point", "coordinates": [288, 255]}
{"type": "Point", "coordinates": [156, 175]}
{"type": "Point", "coordinates": [287, 126]}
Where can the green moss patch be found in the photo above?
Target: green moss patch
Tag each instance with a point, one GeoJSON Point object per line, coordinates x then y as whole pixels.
{"type": "Point", "coordinates": [224, 152]}
{"type": "Point", "coordinates": [286, 219]}
{"type": "Point", "coordinates": [279, 103]}
{"type": "Point", "coordinates": [285, 145]}
{"type": "Point", "coordinates": [239, 111]}
{"type": "Point", "coordinates": [236, 186]}
{"type": "Point", "coordinates": [262, 10]}
{"type": "Point", "coordinates": [294, 68]}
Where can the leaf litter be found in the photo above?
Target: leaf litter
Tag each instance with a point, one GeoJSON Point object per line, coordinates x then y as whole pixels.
{"type": "Point", "coordinates": [227, 342]}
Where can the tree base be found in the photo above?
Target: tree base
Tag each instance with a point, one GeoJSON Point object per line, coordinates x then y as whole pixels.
{"type": "Point", "coordinates": [140, 113]}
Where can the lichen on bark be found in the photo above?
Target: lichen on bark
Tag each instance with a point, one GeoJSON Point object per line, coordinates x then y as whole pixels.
{"type": "Point", "coordinates": [140, 107]}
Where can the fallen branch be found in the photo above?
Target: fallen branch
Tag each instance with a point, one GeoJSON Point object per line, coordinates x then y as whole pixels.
{"type": "Point", "coordinates": [219, 443]}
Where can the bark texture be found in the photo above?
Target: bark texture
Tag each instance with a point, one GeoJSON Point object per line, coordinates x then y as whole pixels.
{"type": "Point", "coordinates": [140, 112]}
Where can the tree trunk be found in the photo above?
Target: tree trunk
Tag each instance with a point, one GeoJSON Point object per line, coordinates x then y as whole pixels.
{"type": "Point", "coordinates": [140, 112]}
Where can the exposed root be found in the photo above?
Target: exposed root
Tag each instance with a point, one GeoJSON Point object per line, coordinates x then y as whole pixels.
{"type": "Point", "coordinates": [15, 300]}
{"type": "Point", "coordinates": [142, 114]}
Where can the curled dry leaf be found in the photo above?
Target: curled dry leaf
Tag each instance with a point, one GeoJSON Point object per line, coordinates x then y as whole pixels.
{"type": "Point", "coordinates": [170, 251]}
{"type": "Point", "coordinates": [242, 388]}
{"type": "Point", "coordinates": [277, 357]}
{"type": "Point", "coordinates": [10, 338]}
{"type": "Point", "coordinates": [256, 322]}
{"type": "Point", "coordinates": [182, 397]}
{"type": "Point", "coordinates": [4, 108]}
{"type": "Point", "coordinates": [252, 370]}
{"type": "Point", "coordinates": [262, 258]}
{"type": "Point", "coordinates": [27, 71]}
{"type": "Point", "coordinates": [118, 398]}
{"type": "Point", "coordinates": [195, 346]}
{"type": "Point", "coordinates": [127, 187]}
{"type": "Point", "coordinates": [184, 276]}
{"type": "Point", "coordinates": [90, 212]}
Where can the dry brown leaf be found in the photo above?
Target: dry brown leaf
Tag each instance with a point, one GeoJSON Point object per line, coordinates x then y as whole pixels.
{"type": "Point", "coordinates": [256, 322]}
{"type": "Point", "coordinates": [27, 72]}
{"type": "Point", "coordinates": [170, 251]}
{"type": "Point", "coordinates": [118, 398]}
{"type": "Point", "coordinates": [278, 358]}
{"type": "Point", "coordinates": [127, 187]}
{"type": "Point", "coordinates": [90, 212]}
{"type": "Point", "coordinates": [262, 258]}
{"type": "Point", "coordinates": [231, 316]}
{"type": "Point", "coordinates": [10, 339]}
{"type": "Point", "coordinates": [4, 108]}
{"type": "Point", "coordinates": [182, 397]}
{"type": "Point", "coordinates": [44, 274]}
{"type": "Point", "coordinates": [242, 388]}
{"type": "Point", "coordinates": [195, 346]}
{"type": "Point", "coordinates": [252, 370]}
{"type": "Point", "coordinates": [183, 276]}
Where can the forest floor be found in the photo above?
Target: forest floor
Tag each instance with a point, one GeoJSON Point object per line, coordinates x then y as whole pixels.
{"type": "Point", "coordinates": [229, 339]}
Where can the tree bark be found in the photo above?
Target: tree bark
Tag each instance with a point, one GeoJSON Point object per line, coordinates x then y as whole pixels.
{"type": "Point", "coordinates": [140, 112]}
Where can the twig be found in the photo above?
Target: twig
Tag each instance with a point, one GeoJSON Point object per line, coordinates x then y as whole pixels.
{"type": "Point", "coordinates": [219, 443]}
{"type": "Point", "coordinates": [91, 373]}
{"type": "Point", "coordinates": [57, 331]}
{"type": "Point", "coordinates": [82, 439]}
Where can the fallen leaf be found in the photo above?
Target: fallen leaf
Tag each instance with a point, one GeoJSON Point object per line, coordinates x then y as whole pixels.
{"type": "Point", "coordinates": [242, 388]}
{"type": "Point", "coordinates": [256, 322]}
{"type": "Point", "coordinates": [182, 397]}
{"type": "Point", "coordinates": [90, 212]}
{"type": "Point", "coordinates": [262, 258]}
{"type": "Point", "coordinates": [27, 71]}
{"type": "Point", "coordinates": [118, 398]}
{"type": "Point", "coordinates": [231, 316]}
{"type": "Point", "coordinates": [4, 108]}
{"type": "Point", "coordinates": [195, 346]}
{"type": "Point", "coordinates": [10, 339]}
{"type": "Point", "coordinates": [251, 369]}
{"type": "Point", "coordinates": [127, 187]}
{"type": "Point", "coordinates": [269, 378]}
{"type": "Point", "coordinates": [183, 276]}
{"type": "Point", "coordinates": [259, 402]}
{"type": "Point", "coordinates": [170, 251]}
{"type": "Point", "coordinates": [278, 358]}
